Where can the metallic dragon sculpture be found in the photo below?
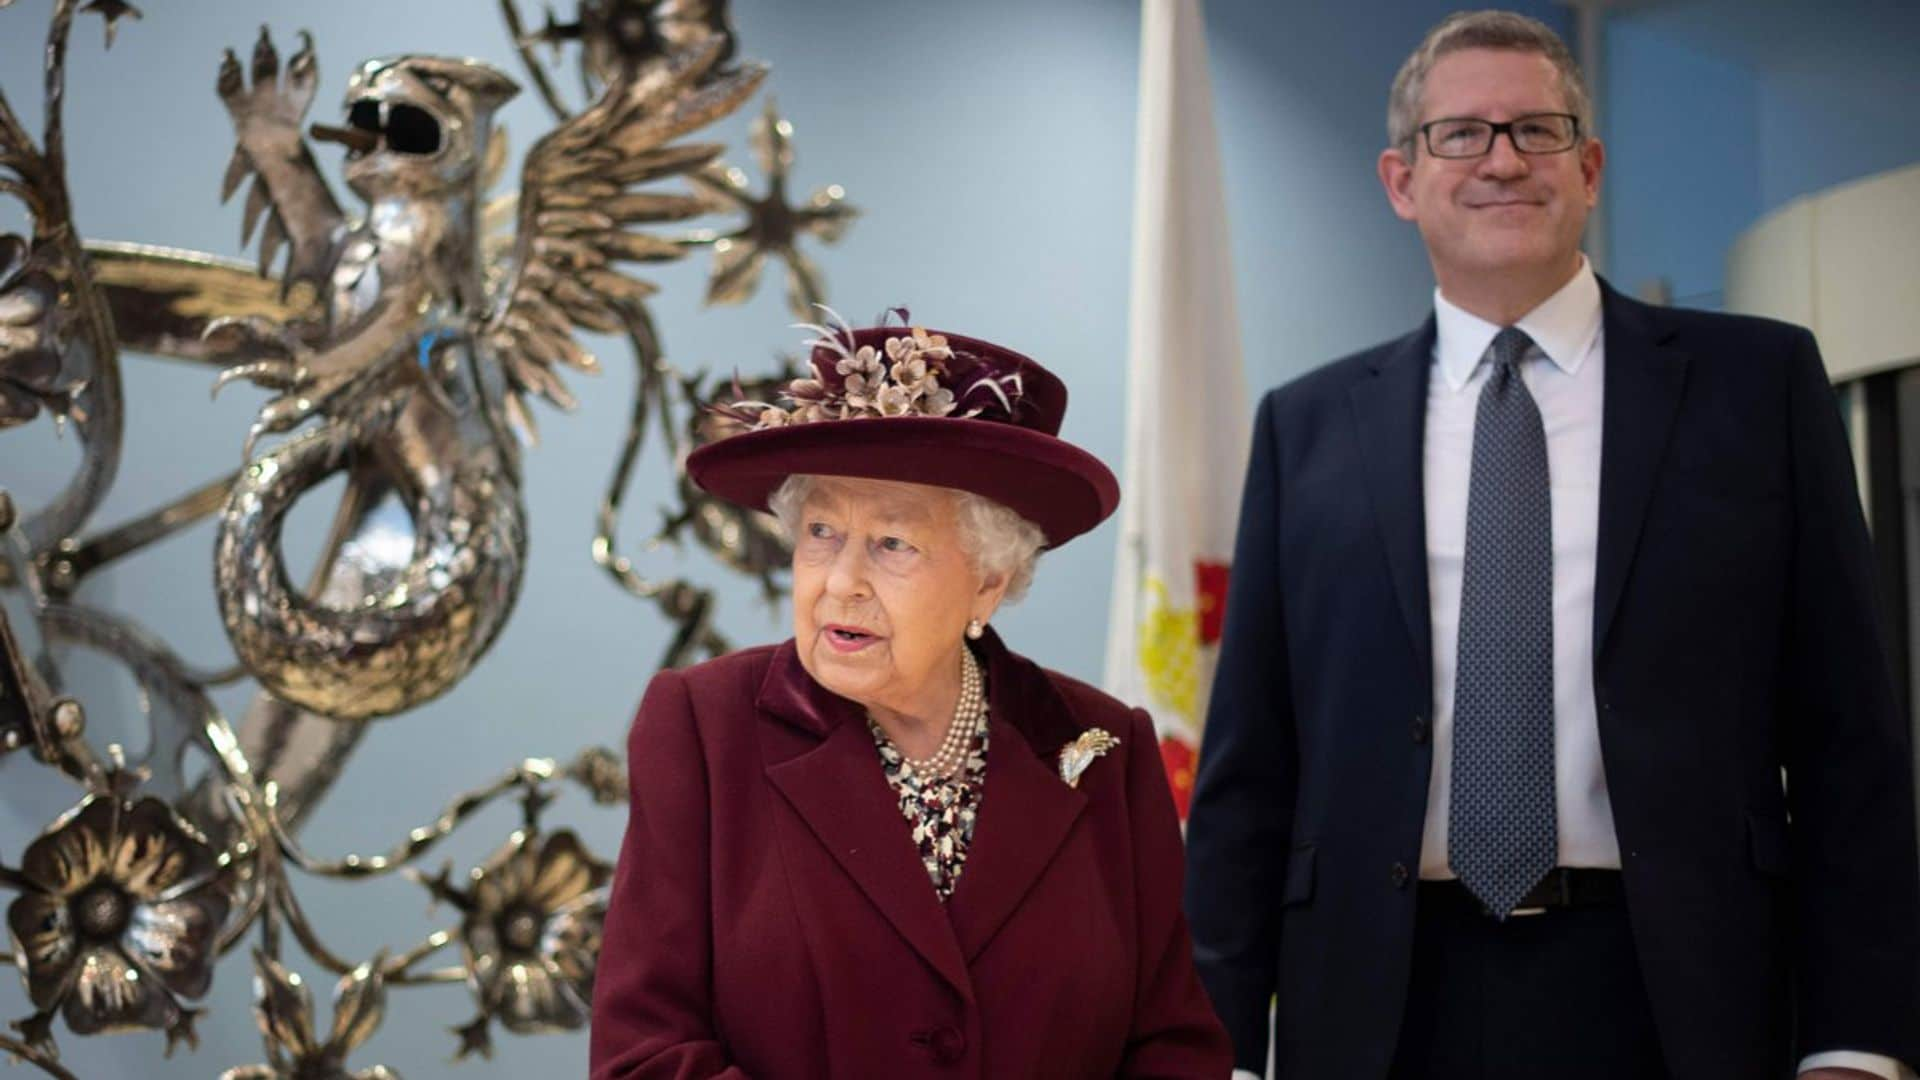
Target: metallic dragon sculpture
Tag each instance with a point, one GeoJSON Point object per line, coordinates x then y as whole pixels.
{"type": "Point", "coordinates": [402, 343]}
{"type": "Point", "coordinates": [418, 369]}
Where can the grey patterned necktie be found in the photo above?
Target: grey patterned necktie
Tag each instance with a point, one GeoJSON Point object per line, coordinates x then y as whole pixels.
{"type": "Point", "coordinates": [1502, 836]}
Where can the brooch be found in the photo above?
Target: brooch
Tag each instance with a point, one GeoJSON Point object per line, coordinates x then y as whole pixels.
{"type": "Point", "coordinates": [1078, 754]}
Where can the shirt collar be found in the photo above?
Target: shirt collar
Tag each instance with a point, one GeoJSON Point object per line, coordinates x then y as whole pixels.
{"type": "Point", "coordinates": [1563, 326]}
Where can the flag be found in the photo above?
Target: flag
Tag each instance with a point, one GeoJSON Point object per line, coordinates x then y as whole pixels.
{"type": "Point", "coordinates": [1187, 423]}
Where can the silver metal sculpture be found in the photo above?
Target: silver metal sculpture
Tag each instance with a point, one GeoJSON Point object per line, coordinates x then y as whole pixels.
{"type": "Point", "coordinates": [418, 368]}
{"type": "Point", "coordinates": [530, 934]}
{"type": "Point", "coordinates": [294, 1050]}
{"type": "Point", "coordinates": [772, 227]}
{"type": "Point", "coordinates": [402, 342]}
{"type": "Point", "coordinates": [122, 906]}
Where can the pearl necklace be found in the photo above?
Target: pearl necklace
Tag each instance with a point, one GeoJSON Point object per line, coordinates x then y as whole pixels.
{"type": "Point", "coordinates": [969, 713]}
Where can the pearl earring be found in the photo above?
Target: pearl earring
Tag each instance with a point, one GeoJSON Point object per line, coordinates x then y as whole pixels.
{"type": "Point", "coordinates": [975, 630]}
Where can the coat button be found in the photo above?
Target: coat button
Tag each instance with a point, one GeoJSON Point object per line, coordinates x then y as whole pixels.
{"type": "Point", "coordinates": [948, 1045]}
{"type": "Point", "coordinates": [1399, 875]}
{"type": "Point", "coordinates": [1421, 729]}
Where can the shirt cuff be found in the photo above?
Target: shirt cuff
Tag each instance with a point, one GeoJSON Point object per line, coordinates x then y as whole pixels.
{"type": "Point", "coordinates": [1878, 1064]}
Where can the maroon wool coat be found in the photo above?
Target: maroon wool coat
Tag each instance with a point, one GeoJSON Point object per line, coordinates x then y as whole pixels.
{"type": "Point", "coordinates": [770, 916]}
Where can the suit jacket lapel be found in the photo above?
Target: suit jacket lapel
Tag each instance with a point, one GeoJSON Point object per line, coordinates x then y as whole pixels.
{"type": "Point", "coordinates": [1390, 413]}
{"type": "Point", "coordinates": [837, 788]}
{"type": "Point", "coordinates": [1643, 384]}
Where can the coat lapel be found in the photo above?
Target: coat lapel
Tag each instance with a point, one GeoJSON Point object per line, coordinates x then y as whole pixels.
{"type": "Point", "coordinates": [838, 790]}
{"type": "Point", "coordinates": [1644, 380]}
{"type": "Point", "coordinates": [1390, 411]}
{"type": "Point", "coordinates": [1026, 810]}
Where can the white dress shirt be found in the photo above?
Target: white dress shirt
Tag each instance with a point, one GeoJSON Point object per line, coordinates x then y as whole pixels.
{"type": "Point", "coordinates": [1565, 375]}
{"type": "Point", "coordinates": [1567, 384]}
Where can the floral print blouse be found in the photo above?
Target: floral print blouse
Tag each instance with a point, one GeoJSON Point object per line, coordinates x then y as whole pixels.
{"type": "Point", "coordinates": [940, 811]}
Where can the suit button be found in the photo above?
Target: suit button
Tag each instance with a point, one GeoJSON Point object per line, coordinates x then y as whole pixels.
{"type": "Point", "coordinates": [1400, 875]}
{"type": "Point", "coordinates": [1421, 729]}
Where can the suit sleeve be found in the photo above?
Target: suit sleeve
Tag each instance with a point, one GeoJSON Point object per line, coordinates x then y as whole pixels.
{"type": "Point", "coordinates": [1175, 1032]}
{"type": "Point", "coordinates": [1848, 759]}
{"type": "Point", "coordinates": [1241, 817]}
{"type": "Point", "coordinates": [652, 992]}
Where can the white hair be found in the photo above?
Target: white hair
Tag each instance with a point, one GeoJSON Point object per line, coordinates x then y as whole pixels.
{"type": "Point", "coordinates": [997, 540]}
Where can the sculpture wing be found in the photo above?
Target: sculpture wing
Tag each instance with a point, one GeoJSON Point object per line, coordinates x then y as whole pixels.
{"type": "Point", "coordinates": [578, 210]}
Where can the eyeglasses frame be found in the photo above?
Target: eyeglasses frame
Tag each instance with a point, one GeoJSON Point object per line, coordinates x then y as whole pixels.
{"type": "Point", "coordinates": [1497, 129]}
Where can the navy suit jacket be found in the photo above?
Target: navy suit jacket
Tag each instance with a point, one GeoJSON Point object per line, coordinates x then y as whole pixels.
{"type": "Point", "coordinates": [1758, 763]}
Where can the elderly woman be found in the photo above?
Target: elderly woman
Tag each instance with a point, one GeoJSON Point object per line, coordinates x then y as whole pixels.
{"type": "Point", "coordinates": [891, 847]}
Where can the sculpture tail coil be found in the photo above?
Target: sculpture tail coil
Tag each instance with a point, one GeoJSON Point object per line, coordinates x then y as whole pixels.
{"type": "Point", "coordinates": [426, 619]}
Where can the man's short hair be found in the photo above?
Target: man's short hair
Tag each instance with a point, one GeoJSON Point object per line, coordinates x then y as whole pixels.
{"type": "Point", "coordinates": [1482, 30]}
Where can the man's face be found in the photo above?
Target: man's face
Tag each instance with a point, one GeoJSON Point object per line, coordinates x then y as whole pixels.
{"type": "Point", "coordinates": [1503, 211]}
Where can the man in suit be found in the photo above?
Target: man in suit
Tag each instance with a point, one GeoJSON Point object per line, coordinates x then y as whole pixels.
{"type": "Point", "coordinates": [1553, 734]}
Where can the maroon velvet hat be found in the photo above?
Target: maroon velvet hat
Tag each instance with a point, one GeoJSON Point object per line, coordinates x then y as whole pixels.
{"type": "Point", "coordinates": [908, 404]}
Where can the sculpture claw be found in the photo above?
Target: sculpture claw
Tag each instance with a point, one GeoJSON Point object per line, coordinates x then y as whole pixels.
{"type": "Point", "coordinates": [254, 335]}
{"type": "Point", "coordinates": [282, 375]}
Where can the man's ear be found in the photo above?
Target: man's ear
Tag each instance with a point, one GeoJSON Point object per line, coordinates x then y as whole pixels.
{"type": "Point", "coordinates": [1396, 176]}
{"type": "Point", "coordinates": [1593, 159]}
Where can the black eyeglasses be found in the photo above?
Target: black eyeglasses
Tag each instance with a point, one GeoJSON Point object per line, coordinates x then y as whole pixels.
{"type": "Point", "coordinates": [1471, 137]}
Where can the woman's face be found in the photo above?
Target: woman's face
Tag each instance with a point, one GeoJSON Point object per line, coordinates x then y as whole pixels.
{"type": "Point", "coordinates": [882, 593]}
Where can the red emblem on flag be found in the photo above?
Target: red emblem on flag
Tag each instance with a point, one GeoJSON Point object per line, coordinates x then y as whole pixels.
{"type": "Point", "coordinates": [1178, 757]}
{"type": "Point", "coordinates": [1210, 593]}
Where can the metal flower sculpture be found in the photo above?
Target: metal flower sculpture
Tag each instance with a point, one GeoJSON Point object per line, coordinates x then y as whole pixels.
{"type": "Point", "coordinates": [400, 340]}
{"type": "Point", "coordinates": [773, 226]}
{"type": "Point", "coordinates": [531, 934]}
{"type": "Point", "coordinates": [285, 1010]}
{"type": "Point", "coordinates": [122, 904]}
{"type": "Point", "coordinates": [625, 36]}
{"type": "Point", "coordinates": [751, 543]}
{"type": "Point", "coordinates": [57, 348]}
{"type": "Point", "coordinates": [29, 356]}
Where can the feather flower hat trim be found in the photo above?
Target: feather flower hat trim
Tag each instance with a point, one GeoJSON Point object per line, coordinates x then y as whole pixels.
{"type": "Point", "coordinates": [902, 402]}
{"type": "Point", "coordinates": [908, 372]}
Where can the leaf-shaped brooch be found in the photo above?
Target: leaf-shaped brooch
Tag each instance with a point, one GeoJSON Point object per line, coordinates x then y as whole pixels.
{"type": "Point", "coordinates": [1078, 754]}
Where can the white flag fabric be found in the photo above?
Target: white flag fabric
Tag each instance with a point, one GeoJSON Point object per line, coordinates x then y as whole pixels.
{"type": "Point", "coordinates": [1187, 422]}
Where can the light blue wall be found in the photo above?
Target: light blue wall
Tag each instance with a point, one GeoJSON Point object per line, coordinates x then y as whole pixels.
{"type": "Point", "coordinates": [1719, 111]}
{"type": "Point", "coordinates": [1681, 177]}
{"type": "Point", "coordinates": [1827, 118]}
